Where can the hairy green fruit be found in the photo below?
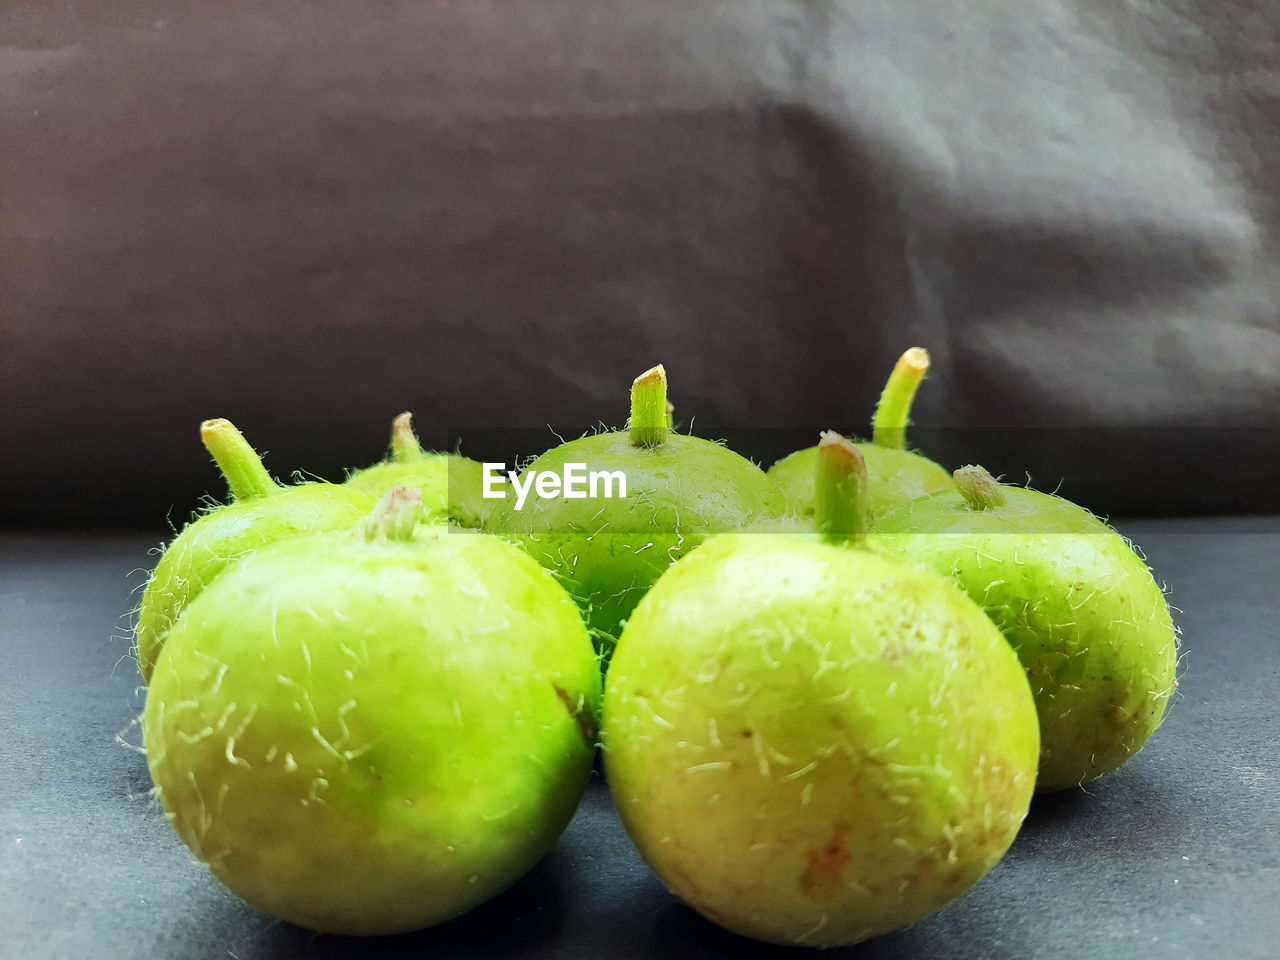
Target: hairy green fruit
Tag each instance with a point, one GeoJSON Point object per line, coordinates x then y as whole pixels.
{"type": "Point", "coordinates": [811, 743]}
{"type": "Point", "coordinates": [450, 484]}
{"type": "Point", "coordinates": [1083, 612]}
{"type": "Point", "coordinates": [608, 552]}
{"type": "Point", "coordinates": [261, 513]}
{"type": "Point", "coordinates": [897, 476]}
{"type": "Point", "coordinates": [368, 736]}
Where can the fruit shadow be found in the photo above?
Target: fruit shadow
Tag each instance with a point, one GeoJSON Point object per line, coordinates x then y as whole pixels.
{"type": "Point", "coordinates": [1049, 810]}
{"type": "Point", "coordinates": [679, 931]}
{"type": "Point", "coordinates": [525, 920]}
{"type": "Point", "coordinates": [1137, 798]}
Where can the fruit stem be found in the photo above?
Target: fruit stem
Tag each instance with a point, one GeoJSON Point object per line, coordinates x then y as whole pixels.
{"type": "Point", "coordinates": [979, 489]}
{"type": "Point", "coordinates": [889, 425]}
{"type": "Point", "coordinates": [671, 415]}
{"type": "Point", "coordinates": [648, 421]}
{"type": "Point", "coordinates": [840, 485]}
{"type": "Point", "coordinates": [404, 442]}
{"type": "Point", "coordinates": [395, 516]}
{"type": "Point", "coordinates": [242, 468]}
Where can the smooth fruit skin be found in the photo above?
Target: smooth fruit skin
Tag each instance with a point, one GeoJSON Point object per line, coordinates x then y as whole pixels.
{"type": "Point", "coordinates": [368, 738]}
{"type": "Point", "coordinates": [1082, 611]}
{"type": "Point", "coordinates": [450, 485]}
{"type": "Point", "coordinates": [813, 744]}
{"type": "Point", "coordinates": [208, 544]}
{"type": "Point", "coordinates": [896, 478]}
{"type": "Point", "coordinates": [608, 552]}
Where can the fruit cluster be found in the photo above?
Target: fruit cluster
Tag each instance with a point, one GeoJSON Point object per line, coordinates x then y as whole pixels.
{"type": "Point", "coordinates": [828, 691]}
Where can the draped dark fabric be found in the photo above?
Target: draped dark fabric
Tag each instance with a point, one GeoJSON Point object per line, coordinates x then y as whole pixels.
{"type": "Point", "coordinates": [308, 216]}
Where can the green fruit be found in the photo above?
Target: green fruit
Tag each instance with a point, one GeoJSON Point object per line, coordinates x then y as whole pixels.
{"type": "Point", "coordinates": [449, 482]}
{"type": "Point", "coordinates": [262, 512]}
{"type": "Point", "coordinates": [608, 552]}
{"type": "Point", "coordinates": [368, 736]}
{"type": "Point", "coordinates": [1082, 611]}
{"type": "Point", "coordinates": [897, 475]}
{"type": "Point", "coordinates": [812, 743]}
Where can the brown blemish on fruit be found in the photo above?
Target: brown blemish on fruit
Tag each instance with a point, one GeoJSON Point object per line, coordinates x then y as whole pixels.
{"type": "Point", "coordinates": [578, 710]}
{"type": "Point", "coordinates": [821, 877]}
{"type": "Point", "coordinates": [895, 652]}
{"type": "Point", "coordinates": [930, 863]}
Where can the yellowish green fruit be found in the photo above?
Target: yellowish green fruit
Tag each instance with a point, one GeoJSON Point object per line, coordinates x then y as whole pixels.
{"type": "Point", "coordinates": [811, 743]}
{"type": "Point", "coordinates": [1083, 612]}
{"type": "Point", "coordinates": [450, 484]}
{"type": "Point", "coordinates": [607, 552]}
{"type": "Point", "coordinates": [897, 476]}
{"type": "Point", "coordinates": [369, 734]}
{"type": "Point", "coordinates": [261, 512]}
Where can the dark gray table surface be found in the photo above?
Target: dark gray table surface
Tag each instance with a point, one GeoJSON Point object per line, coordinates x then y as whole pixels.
{"type": "Point", "coordinates": [1175, 855]}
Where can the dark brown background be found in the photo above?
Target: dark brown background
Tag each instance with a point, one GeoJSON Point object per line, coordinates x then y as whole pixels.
{"type": "Point", "coordinates": [308, 216]}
